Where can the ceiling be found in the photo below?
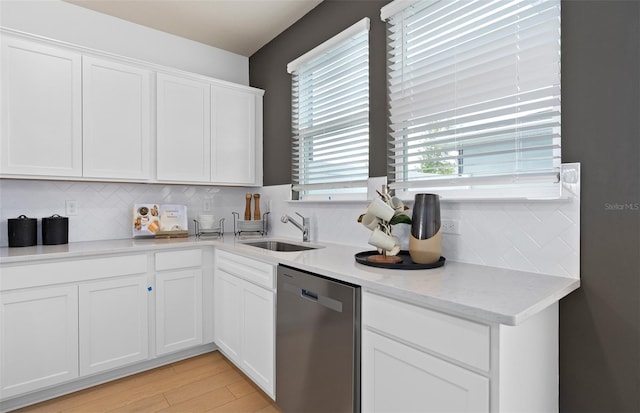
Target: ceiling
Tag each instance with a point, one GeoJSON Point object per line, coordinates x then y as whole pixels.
{"type": "Point", "coordinates": [238, 26]}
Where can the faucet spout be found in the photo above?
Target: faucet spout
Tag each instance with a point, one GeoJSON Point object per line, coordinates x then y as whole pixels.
{"type": "Point", "coordinates": [304, 227]}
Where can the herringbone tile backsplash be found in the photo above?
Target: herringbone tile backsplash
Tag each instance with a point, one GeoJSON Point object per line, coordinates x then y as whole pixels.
{"type": "Point", "coordinates": [537, 236]}
{"type": "Point", "coordinates": [105, 209]}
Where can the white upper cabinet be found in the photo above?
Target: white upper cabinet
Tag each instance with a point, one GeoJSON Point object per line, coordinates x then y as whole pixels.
{"type": "Point", "coordinates": [41, 110]}
{"type": "Point", "coordinates": [116, 120]}
{"type": "Point", "coordinates": [236, 136]}
{"type": "Point", "coordinates": [183, 129]}
{"type": "Point", "coordinates": [72, 113]}
{"type": "Point", "coordinates": [208, 132]}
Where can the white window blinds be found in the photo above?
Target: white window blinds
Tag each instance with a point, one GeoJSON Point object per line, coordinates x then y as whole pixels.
{"type": "Point", "coordinates": [330, 114]}
{"type": "Point", "coordinates": [474, 93]}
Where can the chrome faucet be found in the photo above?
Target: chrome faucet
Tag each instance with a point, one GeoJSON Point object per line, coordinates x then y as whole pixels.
{"type": "Point", "coordinates": [304, 227]}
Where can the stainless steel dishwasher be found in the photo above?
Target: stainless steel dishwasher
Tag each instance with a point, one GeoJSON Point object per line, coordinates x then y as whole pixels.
{"type": "Point", "coordinates": [317, 343]}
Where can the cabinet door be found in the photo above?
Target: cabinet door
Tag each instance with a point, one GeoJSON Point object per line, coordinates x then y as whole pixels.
{"type": "Point", "coordinates": [41, 110]}
{"type": "Point", "coordinates": [183, 129]}
{"type": "Point", "coordinates": [178, 310]}
{"type": "Point", "coordinates": [258, 330]}
{"type": "Point", "coordinates": [233, 136]}
{"type": "Point", "coordinates": [227, 313]}
{"type": "Point", "coordinates": [398, 378]}
{"type": "Point", "coordinates": [116, 120]}
{"type": "Point", "coordinates": [38, 338]}
{"type": "Point", "coordinates": [113, 323]}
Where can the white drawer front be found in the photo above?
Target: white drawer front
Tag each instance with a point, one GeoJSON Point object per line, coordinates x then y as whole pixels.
{"type": "Point", "coordinates": [75, 270]}
{"type": "Point", "coordinates": [453, 337]}
{"type": "Point", "coordinates": [171, 260]}
{"type": "Point", "coordinates": [257, 272]}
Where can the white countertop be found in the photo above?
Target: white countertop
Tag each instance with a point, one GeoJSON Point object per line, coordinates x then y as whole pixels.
{"type": "Point", "coordinates": [488, 294]}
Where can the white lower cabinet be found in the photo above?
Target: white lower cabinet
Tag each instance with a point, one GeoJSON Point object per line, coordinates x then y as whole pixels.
{"type": "Point", "coordinates": [258, 335]}
{"type": "Point", "coordinates": [244, 316]}
{"type": "Point", "coordinates": [398, 378]}
{"type": "Point", "coordinates": [38, 338]}
{"type": "Point", "coordinates": [227, 310]}
{"type": "Point", "coordinates": [178, 300]}
{"type": "Point", "coordinates": [66, 319]}
{"type": "Point", "coordinates": [113, 323]}
{"type": "Point", "coordinates": [69, 319]}
{"type": "Point", "coordinates": [178, 310]}
{"type": "Point", "coordinates": [415, 359]}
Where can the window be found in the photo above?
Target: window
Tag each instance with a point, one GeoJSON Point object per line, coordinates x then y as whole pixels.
{"type": "Point", "coordinates": [330, 111]}
{"type": "Point", "coordinates": [474, 96]}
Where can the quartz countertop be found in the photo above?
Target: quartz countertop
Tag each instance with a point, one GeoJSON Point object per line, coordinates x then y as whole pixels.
{"type": "Point", "coordinates": [488, 294]}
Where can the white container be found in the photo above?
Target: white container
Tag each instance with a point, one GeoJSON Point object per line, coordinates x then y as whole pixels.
{"type": "Point", "coordinates": [250, 226]}
{"type": "Point", "coordinates": [207, 221]}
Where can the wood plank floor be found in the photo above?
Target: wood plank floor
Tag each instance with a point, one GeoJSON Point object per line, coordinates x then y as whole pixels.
{"type": "Point", "coordinates": [206, 383]}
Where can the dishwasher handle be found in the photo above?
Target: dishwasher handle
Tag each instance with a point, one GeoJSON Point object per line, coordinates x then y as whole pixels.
{"type": "Point", "coordinates": [308, 295]}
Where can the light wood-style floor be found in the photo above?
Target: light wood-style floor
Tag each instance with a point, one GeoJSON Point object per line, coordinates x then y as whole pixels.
{"type": "Point", "coordinates": [206, 383]}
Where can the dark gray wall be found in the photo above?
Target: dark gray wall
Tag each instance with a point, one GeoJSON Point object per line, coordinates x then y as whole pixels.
{"type": "Point", "coordinates": [599, 323]}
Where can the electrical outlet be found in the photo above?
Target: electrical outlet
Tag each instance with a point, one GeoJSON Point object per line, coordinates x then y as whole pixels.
{"type": "Point", "coordinates": [451, 226]}
{"type": "Point", "coordinates": [206, 204]}
{"type": "Point", "coordinates": [71, 208]}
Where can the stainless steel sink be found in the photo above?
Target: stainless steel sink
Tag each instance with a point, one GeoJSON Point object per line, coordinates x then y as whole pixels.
{"type": "Point", "coordinates": [280, 246]}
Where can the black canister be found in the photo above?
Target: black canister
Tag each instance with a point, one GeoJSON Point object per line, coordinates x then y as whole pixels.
{"type": "Point", "coordinates": [23, 231]}
{"type": "Point", "coordinates": [55, 230]}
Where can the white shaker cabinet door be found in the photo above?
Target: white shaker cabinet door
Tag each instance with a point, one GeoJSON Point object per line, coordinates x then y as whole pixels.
{"type": "Point", "coordinates": [116, 120]}
{"type": "Point", "coordinates": [178, 310]}
{"type": "Point", "coordinates": [183, 129]}
{"type": "Point", "coordinates": [233, 136]}
{"type": "Point", "coordinates": [227, 313]}
{"type": "Point", "coordinates": [258, 336]}
{"type": "Point", "coordinates": [244, 316]}
{"type": "Point", "coordinates": [113, 323]}
{"type": "Point", "coordinates": [38, 338]}
{"type": "Point", "coordinates": [41, 110]}
{"type": "Point", "coordinates": [398, 378]}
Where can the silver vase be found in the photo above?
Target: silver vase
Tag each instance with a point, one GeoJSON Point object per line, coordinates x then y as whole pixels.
{"type": "Point", "coordinates": [425, 240]}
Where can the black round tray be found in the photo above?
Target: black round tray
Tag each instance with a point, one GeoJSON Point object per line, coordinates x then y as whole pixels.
{"type": "Point", "coordinates": [406, 263]}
